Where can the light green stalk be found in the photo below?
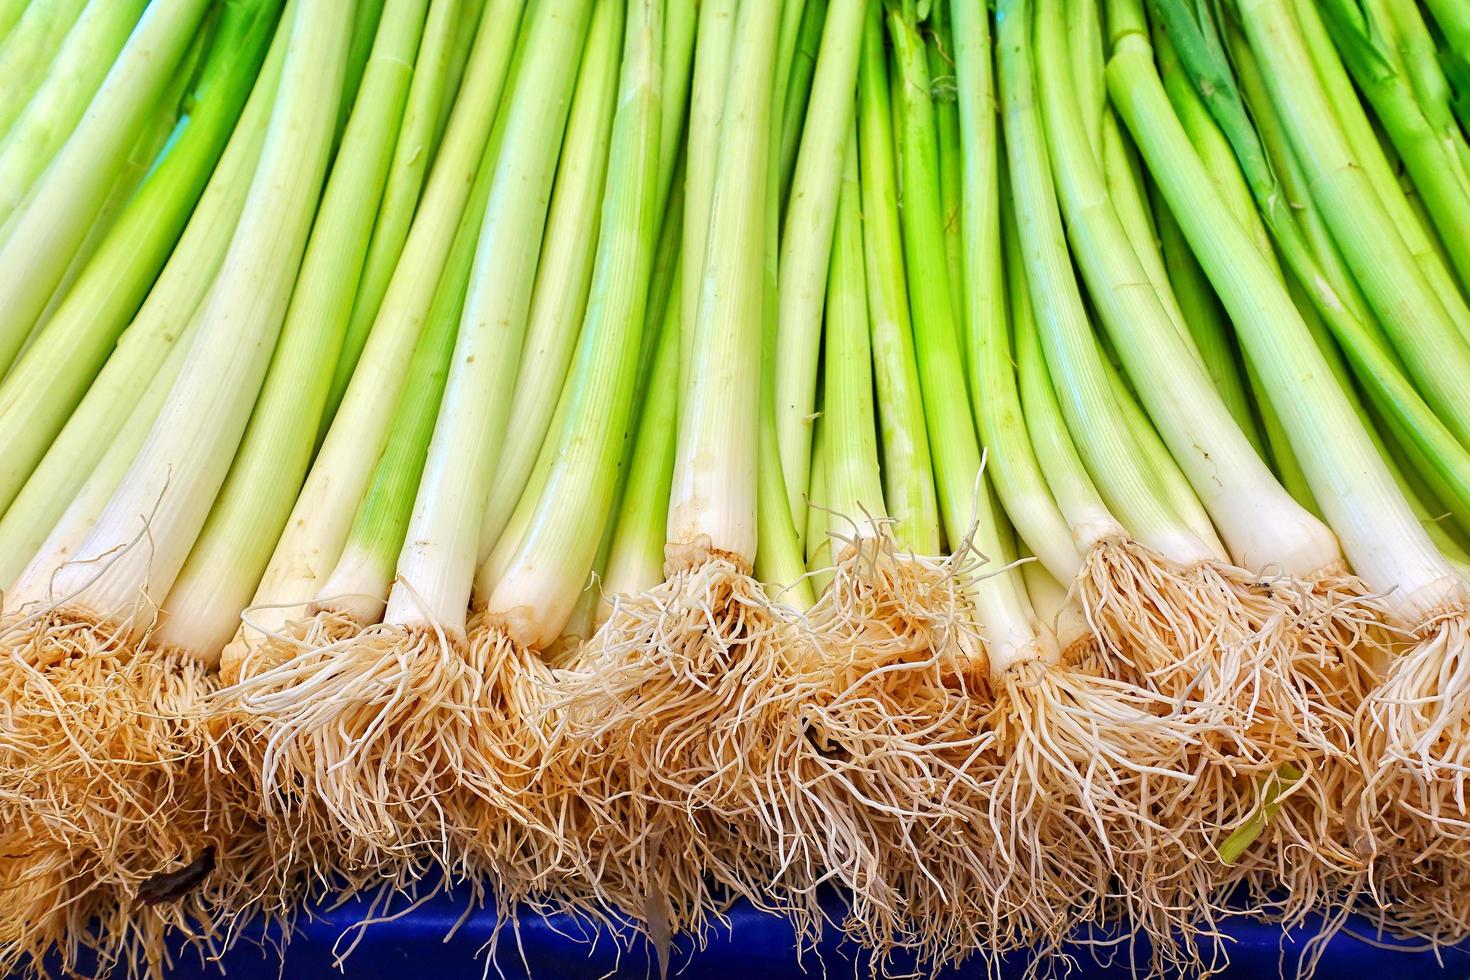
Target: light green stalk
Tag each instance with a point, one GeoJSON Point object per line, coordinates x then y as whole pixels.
{"type": "Point", "coordinates": [413, 154]}
{"type": "Point", "coordinates": [1262, 525]}
{"type": "Point", "coordinates": [1421, 60]}
{"type": "Point", "coordinates": [997, 403]}
{"type": "Point", "coordinates": [1080, 382]}
{"type": "Point", "coordinates": [1379, 531]}
{"type": "Point", "coordinates": [680, 22]}
{"type": "Point", "coordinates": [28, 49]}
{"type": "Point", "coordinates": [806, 245]}
{"type": "Point", "coordinates": [471, 22]}
{"type": "Point", "coordinates": [851, 487]}
{"type": "Point", "coordinates": [54, 373]}
{"type": "Point", "coordinates": [71, 80]}
{"type": "Point", "coordinates": [540, 588]}
{"type": "Point", "coordinates": [1201, 313]}
{"type": "Point", "coordinates": [47, 231]}
{"type": "Point", "coordinates": [939, 47]}
{"type": "Point", "coordinates": [820, 521]}
{"type": "Point", "coordinates": [713, 46]}
{"type": "Point", "coordinates": [180, 468]}
{"type": "Point", "coordinates": [313, 541]}
{"type": "Point", "coordinates": [563, 273]}
{"type": "Point", "coordinates": [1440, 435]}
{"type": "Point", "coordinates": [1082, 507]}
{"type": "Point", "coordinates": [1373, 157]}
{"type": "Point", "coordinates": [795, 104]}
{"type": "Point", "coordinates": [436, 569]}
{"type": "Point", "coordinates": [1002, 611]}
{"type": "Point", "coordinates": [1365, 43]}
{"type": "Point", "coordinates": [226, 563]}
{"type": "Point", "coordinates": [908, 471]}
{"type": "Point", "coordinates": [780, 559]}
{"type": "Point", "coordinates": [30, 574]}
{"type": "Point", "coordinates": [713, 498]}
{"type": "Point", "coordinates": [89, 428]}
{"type": "Point", "coordinates": [10, 12]}
{"type": "Point", "coordinates": [363, 563]}
{"type": "Point", "coordinates": [636, 560]}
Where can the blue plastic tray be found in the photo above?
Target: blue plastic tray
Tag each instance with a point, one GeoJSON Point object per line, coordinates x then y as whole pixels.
{"type": "Point", "coordinates": [756, 945]}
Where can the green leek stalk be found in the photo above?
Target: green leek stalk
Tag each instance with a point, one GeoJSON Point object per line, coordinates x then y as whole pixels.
{"type": "Point", "coordinates": [939, 47]}
{"type": "Point", "coordinates": [806, 244]}
{"type": "Point", "coordinates": [1200, 311]}
{"type": "Point", "coordinates": [999, 419]}
{"type": "Point", "coordinates": [780, 560]}
{"type": "Point", "coordinates": [1421, 62]}
{"type": "Point", "coordinates": [1375, 158]}
{"type": "Point", "coordinates": [820, 522]}
{"type": "Point", "coordinates": [365, 20]}
{"type": "Point", "coordinates": [852, 486]}
{"type": "Point", "coordinates": [313, 539]}
{"type": "Point", "coordinates": [1378, 529]}
{"type": "Point", "coordinates": [38, 493]}
{"type": "Point", "coordinates": [436, 568]}
{"type": "Point", "coordinates": [799, 88]}
{"type": "Point", "coordinates": [1262, 525]}
{"type": "Point", "coordinates": [712, 52]}
{"type": "Point", "coordinates": [636, 560]}
{"type": "Point", "coordinates": [563, 273]}
{"type": "Point", "coordinates": [1087, 516]}
{"type": "Point", "coordinates": [10, 12]}
{"type": "Point", "coordinates": [1434, 167]}
{"type": "Point", "coordinates": [630, 558]}
{"type": "Point", "coordinates": [54, 373]}
{"type": "Point", "coordinates": [1215, 148]}
{"type": "Point", "coordinates": [1002, 611]}
{"type": "Point", "coordinates": [712, 503]}
{"type": "Point", "coordinates": [1453, 21]}
{"type": "Point", "coordinates": [471, 22]}
{"type": "Point", "coordinates": [680, 21]}
{"type": "Point", "coordinates": [225, 564]}
{"type": "Point", "coordinates": [28, 48]}
{"type": "Point", "coordinates": [537, 593]}
{"type": "Point", "coordinates": [413, 155]}
{"type": "Point", "coordinates": [1081, 384]}
{"type": "Point", "coordinates": [59, 540]}
{"type": "Point", "coordinates": [1085, 49]}
{"type": "Point", "coordinates": [1441, 436]}
{"type": "Point", "coordinates": [1126, 193]}
{"type": "Point", "coordinates": [366, 551]}
{"type": "Point", "coordinates": [908, 470]}
{"type": "Point", "coordinates": [46, 232]}
{"type": "Point", "coordinates": [145, 152]}
{"type": "Point", "coordinates": [178, 472]}
{"type": "Point", "coordinates": [1164, 471]}
{"type": "Point", "coordinates": [72, 79]}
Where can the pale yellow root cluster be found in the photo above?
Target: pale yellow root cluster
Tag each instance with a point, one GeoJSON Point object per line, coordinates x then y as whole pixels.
{"type": "Point", "coordinates": [117, 829]}
{"type": "Point", "coordinates": [380, 748]}
{"type": "Point", "coordinates": [1414, 747]}
{"type": "Point", "coordinates": [675, 727]}
{"type": "Point", "coordinates": [1274, 671]}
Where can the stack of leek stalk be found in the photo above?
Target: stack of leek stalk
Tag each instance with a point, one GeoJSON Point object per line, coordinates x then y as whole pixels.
{"type": "Point", "coordinates": [1005, 465]}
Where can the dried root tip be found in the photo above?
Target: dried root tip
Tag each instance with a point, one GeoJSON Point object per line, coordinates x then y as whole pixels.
{"type": "Point", "coordinates": [1275, 659]}
{"type": "Point", "coordinates": [1414, 744]}
{"type": "Point", "coordinates": [893, 716]}
{"type": "Point", "coordinates": [675, 728]}
{"type": "Point", "coordinates": [118, 825]}
{"type": "Point", "coordinates": [1280, 666]}
{"type": "Point", "coordinates": [384, 745]}
{"type": "Point", "coordinates": [1082, 762]}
